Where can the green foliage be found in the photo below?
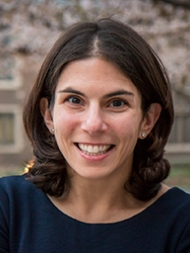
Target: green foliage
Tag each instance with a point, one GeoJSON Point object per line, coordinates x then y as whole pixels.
{"type": "Point", "coordinates": [179, 176]}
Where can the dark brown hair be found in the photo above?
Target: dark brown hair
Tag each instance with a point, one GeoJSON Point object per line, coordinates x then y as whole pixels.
{"type": "Point", "coordinates": [121, 45]}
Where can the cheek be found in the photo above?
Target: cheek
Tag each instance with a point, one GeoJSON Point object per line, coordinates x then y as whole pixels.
{"type": "Point", "coordinates": [129, 129]}
{"type": "Point", "coordinates": [64, 123]}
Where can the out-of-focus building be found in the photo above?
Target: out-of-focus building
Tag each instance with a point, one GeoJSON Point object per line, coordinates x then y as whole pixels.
{"type": "Point", "coordinates": [178, 148]}
{"type": "Point", "coordinates": [28, 29]}
{"type": "Point", "coordinates": [16, 78]}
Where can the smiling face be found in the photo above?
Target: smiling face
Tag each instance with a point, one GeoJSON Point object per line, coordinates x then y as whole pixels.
{"type": "Point", "coordinates": [97, 119]}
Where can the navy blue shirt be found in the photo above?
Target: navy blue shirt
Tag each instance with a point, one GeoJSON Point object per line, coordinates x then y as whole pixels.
{"type": "Point", "coordinates": [30, 223]}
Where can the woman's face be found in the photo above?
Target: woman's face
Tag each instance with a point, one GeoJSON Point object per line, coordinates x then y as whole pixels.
{"type": "Point", "coordinates": [97, 119]}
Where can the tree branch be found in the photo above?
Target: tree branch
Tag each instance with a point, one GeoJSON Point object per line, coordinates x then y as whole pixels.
{"type": "Point", "coordinates": [178, 3]}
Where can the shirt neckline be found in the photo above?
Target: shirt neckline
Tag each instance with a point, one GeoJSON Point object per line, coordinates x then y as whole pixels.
{"type": "Point", "coordinates": [130, 219]}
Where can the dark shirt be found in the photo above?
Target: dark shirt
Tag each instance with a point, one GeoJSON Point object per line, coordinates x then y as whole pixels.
{"type": "Point", "coordinates": [30, 223]}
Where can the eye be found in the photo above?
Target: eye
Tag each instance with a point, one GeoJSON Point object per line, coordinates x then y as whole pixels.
{"type": "Point", "coordinates": [74, 100]}
{"type": "Point", "coordinates": [117, 103]}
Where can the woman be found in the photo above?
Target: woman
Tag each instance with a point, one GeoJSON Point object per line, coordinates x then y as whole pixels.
{"type": "Point", "coordinates": [98, 118]}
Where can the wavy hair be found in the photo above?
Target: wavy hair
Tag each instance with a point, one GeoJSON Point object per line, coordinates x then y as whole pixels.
{"type": "Point", "coordinates": [118, 43]}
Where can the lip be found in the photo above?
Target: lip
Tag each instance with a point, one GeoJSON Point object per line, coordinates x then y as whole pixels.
{"type": "Point", "coordinates": [99, 157]}
{"type": "Point", "coordinates": [93, 143]}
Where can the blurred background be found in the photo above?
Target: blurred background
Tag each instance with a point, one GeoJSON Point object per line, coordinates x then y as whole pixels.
{"type": "Point", "coordinates": [28, 28]}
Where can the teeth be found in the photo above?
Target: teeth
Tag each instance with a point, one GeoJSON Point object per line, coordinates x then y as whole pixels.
{"type": "Point", "coordinates": [94, 149]}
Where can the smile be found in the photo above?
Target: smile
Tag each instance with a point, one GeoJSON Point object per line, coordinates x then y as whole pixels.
{"type": "Point", "coordinates": [94, 150]}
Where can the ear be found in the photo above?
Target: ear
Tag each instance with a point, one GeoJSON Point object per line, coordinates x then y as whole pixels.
{"type": "Point", "coordinates": [46, 113]}
{"type": "Point", "coordinates": [150, 120]}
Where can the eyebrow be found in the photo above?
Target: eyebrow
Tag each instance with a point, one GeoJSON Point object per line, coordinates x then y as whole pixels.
{"type": "Point", "coordinates": [112, 94]}
{"type": "Point", "coordinates": [71, 90]}
{"type": "Point", "coordinates": [119, 92]}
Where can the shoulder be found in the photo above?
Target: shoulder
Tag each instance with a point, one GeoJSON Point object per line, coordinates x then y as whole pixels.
{"type": "Point", "coordinates": [16, 189]}
{"type": "Point", "coordinates": [179, 201]}
{"type": "Point", "coordinates": [14, 184]}
{"type": "Point", "coordinates": [174, 201]}
{"type": "Point", "coordinates": [18, 197]}
{"type": "Point", "coordinates": [177, 197]}
{"type": "Point", "coordinates": [12, 180]}
{"type": "Point", "coordinates": [172, 207]}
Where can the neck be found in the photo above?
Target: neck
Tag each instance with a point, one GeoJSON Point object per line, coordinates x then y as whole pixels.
{"type": "Point", "coordinates": [102, 200]}
{"type": "Point", "coordinates": [92, 194]}
{"type": "Point", "coordinates": [98, 201]}
{"type": "Point", "coordinates": [101, 204]}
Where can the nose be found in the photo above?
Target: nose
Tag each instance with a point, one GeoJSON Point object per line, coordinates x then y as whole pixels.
{"type": "Point", "coordinates": [94, 121]}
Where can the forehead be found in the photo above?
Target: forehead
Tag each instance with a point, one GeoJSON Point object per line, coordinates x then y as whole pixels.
{"type": "Point", "coordinates": [94, 73]}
